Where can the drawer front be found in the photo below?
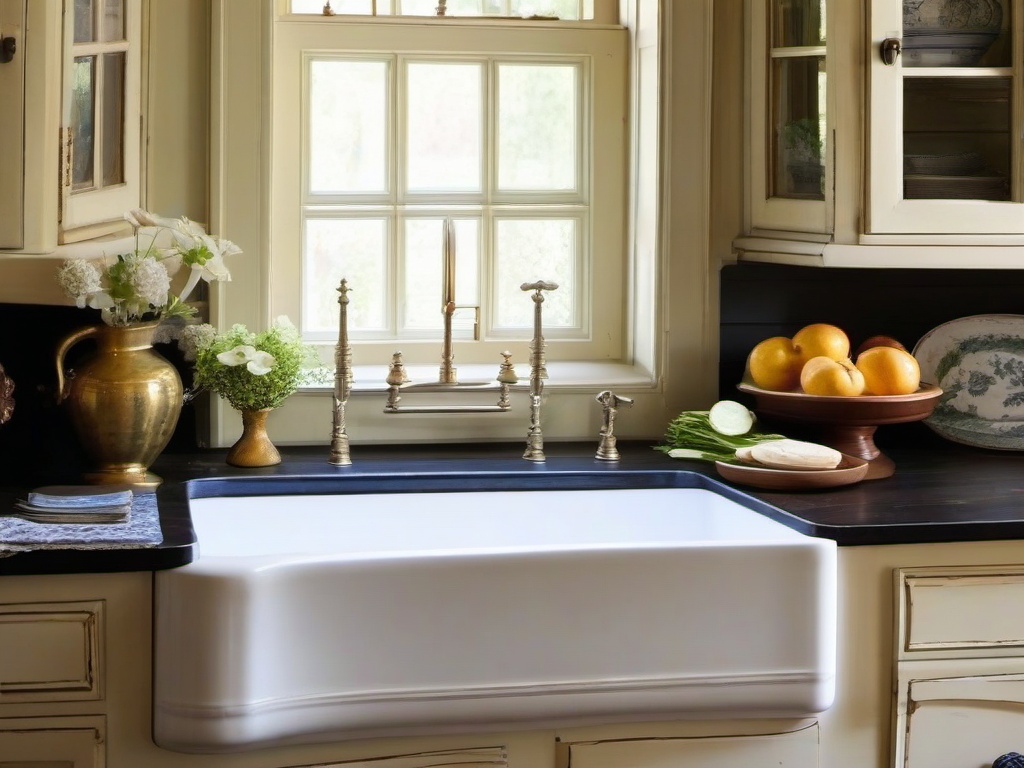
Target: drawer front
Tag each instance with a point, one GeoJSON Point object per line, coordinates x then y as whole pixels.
{"type": "Point", "coordinates": [960, 610]}
{"type": "Point", "coordinates": [50, 651]}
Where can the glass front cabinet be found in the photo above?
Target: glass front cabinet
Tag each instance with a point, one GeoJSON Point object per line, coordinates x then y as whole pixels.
{"type": "Point", "coordinates": [945, 117]}
{"type": "Point", "coordinates": [890, 123]}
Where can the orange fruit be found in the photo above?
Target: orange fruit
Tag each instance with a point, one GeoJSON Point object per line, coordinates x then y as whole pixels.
{"type": "Point", "coordinates": [889, 371]}
{"type": "Point", "coordinates": [879, 341]}
{"type": "Point", "coordinates": [821, 340]}
{"type": "Point", "coordinates": [822, 375]}
{"type": "Point", "coordinates": [774, 364]}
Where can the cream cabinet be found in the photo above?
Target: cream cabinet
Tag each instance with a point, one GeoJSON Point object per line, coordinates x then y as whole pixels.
{"type": "Point", "coordinates": [56, 742]}
{"type": "Point", "coordinates": [959, 674]}
{"type": "Point", "coordinates": [71, 137]}
{"type": "Point", "coordinates": [886, 133]}
{"type": "Point", "coordinates": [791, 749]}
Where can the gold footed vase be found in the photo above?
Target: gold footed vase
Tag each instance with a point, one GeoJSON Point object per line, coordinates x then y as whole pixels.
{"type": "Point", "coordinates": [254, 448]}
{"type": "Point", "coordinates": [124, 402]}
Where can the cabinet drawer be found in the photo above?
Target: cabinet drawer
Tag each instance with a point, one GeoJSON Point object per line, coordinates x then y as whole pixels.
{"type": "Point", "coordinates": [954, 611]}
{"type": "Point", "coordinates": [50, 651]}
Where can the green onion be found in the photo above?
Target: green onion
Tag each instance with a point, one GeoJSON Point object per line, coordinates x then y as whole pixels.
{"type": "Point", "coordinates": [693, 434]}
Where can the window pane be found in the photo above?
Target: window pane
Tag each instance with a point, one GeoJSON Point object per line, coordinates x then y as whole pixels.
{"type": "Point", "coordinates": [423, 269]}
{"type": "Point", "coordinates": [113, 118]}
{"type": "Point", "coordinates": [418, 7]}
{"type": "Point", "coordinates": [357, 7]}
{"type": "Point", "coordinates": [112, 23]}
{"type": "Point", "coordinates": [537, 127]}
{"type": "Point", "coordinates": [85, 31]}
{"type": "Point", "coordinates": [348, 126]}
{"type": "Point", "coordinates": [528, 250]}
{"type": "Point", "coordinates": [444, 131]}
{"type": "Point", "coordinates": [355, 249]}
{"type": "Point", "coordinates": [798, 118]}
{"type": "Point", "coordinates": [83, 120]}
{"type": "Point", "coordinates": [798, 23]}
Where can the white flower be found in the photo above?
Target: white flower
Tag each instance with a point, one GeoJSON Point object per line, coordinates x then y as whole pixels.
{"type": "Point", "coordinates": [138, 217]}
{"type": "Point", "coordinates": [194, 338]}
{"type": "Point", "coordinates": [243, 353]}
{"type": "Point", "coordinates": [151, 282]}
{"type": "Point", "coordinates": [79, 279]}
{"type": "Point", "coordinates": [257, 362]}
{"type": "Point", "coordinates": [261, 364]}
{"type": "Point", "coordinates": [286, 329]}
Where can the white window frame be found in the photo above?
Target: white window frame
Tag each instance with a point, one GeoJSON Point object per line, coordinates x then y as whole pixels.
{"type": "Point", "coordinates": [600, 193]}
{"type": "Point", "coordinates": [669, 219]}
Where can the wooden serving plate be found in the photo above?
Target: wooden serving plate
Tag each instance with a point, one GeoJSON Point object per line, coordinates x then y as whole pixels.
{"type": "Point", "coordinates": [849, 423]}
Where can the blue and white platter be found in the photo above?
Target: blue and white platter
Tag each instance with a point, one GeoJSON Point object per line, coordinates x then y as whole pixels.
{"type": "Point", "coordinates": [979, 363]}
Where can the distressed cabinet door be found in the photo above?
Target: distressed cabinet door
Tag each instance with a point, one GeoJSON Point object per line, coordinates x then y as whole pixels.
{"type": "Point", "coordinates": [54, 742]}
{"type": "Point", "coordinates": [796, 749]}
{"type": "Point", "coordinates": [960, 721]}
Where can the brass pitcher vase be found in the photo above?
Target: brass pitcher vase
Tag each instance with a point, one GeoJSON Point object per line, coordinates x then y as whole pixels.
{"type": "Point", "coordinates": [124, 402]}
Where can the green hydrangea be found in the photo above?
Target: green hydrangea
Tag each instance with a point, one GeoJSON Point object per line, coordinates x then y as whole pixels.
{"type": "Point", "coordinates": [252, 371]}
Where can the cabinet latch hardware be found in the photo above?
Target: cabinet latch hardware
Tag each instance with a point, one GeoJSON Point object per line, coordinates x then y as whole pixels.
{"type": "Point", "coordinates": [8, 46]}
{"type": "Point", "coordinates": [890, 50]}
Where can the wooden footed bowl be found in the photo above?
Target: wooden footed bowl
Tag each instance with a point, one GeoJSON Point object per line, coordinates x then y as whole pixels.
{"type": "Point", "coordinates": [848, 424]}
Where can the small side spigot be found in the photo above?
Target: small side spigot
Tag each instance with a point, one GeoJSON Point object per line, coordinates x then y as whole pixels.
{"type": "Point", "coordinates": [610, 403]}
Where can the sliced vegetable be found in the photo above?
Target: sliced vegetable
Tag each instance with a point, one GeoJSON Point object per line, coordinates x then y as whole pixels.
{"type": "Point", "coordinates": [691, 436]}
{"type": "Point", "coordinates": [727, 417]}
{"type": "Point", "coordinates": [795, 454]}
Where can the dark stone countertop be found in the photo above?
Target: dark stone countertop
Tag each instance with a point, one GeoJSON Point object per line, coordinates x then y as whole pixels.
{"type": "Point", "coordinates": [941, 492]}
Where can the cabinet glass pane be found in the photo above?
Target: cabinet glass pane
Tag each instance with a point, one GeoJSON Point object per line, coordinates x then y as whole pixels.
{"type": "Point", "coordinates": [112, 23]}
{"type": "Point", "coordinates": [798, 23]}
{"type": "Point", "coordinates": [83, 120]}
{"type": "Point", "coordinates": [113, 118]}
{"type": "Point", "coordinates": [84, 22]}
{"type": "Point", "coordinates": [966, 33]}
{"type": "Point", "coordinates": [798, 128]}
{"type": "Point", "coordinates": [956, 138]}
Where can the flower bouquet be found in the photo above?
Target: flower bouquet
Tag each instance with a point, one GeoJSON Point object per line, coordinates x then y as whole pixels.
{"type": "Point", "coordinates": [254, 372]}
{"type": "Point", "coordinates": [124, 403]}
{"type": "Point", "coordinates": [135, 287]}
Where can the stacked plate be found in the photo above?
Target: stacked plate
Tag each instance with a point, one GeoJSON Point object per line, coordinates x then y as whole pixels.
{"type": "Point", "coordinates": [75, 504]}
{"type": "Point", "coordinates": [939, 48]}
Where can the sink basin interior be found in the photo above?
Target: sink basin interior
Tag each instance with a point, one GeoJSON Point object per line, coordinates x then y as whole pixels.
{"type": "Point", "coordinates": [333, 616]}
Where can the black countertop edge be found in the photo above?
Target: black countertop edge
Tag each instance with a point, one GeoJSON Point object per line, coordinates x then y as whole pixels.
{"type": "Point", "coordinates": [941, 492]}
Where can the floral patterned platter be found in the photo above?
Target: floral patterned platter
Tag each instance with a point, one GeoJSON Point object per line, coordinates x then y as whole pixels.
{"type": "Point", "coordinates": [979, 363]}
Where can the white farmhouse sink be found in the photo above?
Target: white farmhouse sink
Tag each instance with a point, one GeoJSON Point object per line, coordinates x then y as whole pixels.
{"type": "Point", "coordinates": [319, 617]}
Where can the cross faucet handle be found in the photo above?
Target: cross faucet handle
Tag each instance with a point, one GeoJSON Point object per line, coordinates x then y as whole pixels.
{"type": "Point", "coordinates": [540, 285]}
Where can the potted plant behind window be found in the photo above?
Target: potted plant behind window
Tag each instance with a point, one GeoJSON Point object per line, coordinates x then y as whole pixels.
{"type": "Point", "coordinates": [802, 150]}
{"type": "Point", "coordinates": [255, 373]}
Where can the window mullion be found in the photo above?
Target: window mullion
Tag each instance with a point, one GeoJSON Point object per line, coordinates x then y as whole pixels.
{"type": "Point", "coordinates": [396, 180]}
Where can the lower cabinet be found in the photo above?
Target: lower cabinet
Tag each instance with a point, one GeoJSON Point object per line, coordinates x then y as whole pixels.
{"type": "Point", "coordinates": [52, 742]}
{"type": "Point", "coordinates": [962, 721]}
{"type": "Point", "coordinates": [959, 666]}
{"type": "Point", "coordinates": [795, 749]}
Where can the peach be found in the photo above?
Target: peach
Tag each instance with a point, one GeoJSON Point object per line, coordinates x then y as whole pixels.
{"type": "Point", "coordinates": [889, 371]}
{"type": "Point", "coordinates": [822, 375]}
{"type": "Point", "coordinates": [821, 340]}
{"type": "Point", "coordinates": [879, 341]}
{"type": "Point", "coordinates": [774, 364]}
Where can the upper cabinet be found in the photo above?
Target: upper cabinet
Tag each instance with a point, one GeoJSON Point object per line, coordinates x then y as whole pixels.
{"type": "Point", "coordinates": [885, 134]}
{"type": "Point", "coordinates": [71, 139]}
{"type": "Point", "coordinates": [789, 180]}
{"type": "Point", "coordinates": [945, 117]}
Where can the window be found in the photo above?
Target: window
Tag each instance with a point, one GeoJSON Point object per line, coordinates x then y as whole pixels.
{"type": "Point", "coordinates": [383, 130]}
{"type": "Point", "coordinates": [101, 115]}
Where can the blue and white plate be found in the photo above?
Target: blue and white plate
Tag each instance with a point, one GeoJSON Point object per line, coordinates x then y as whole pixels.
{"type": "Point", "coordinates": [979, 363]}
